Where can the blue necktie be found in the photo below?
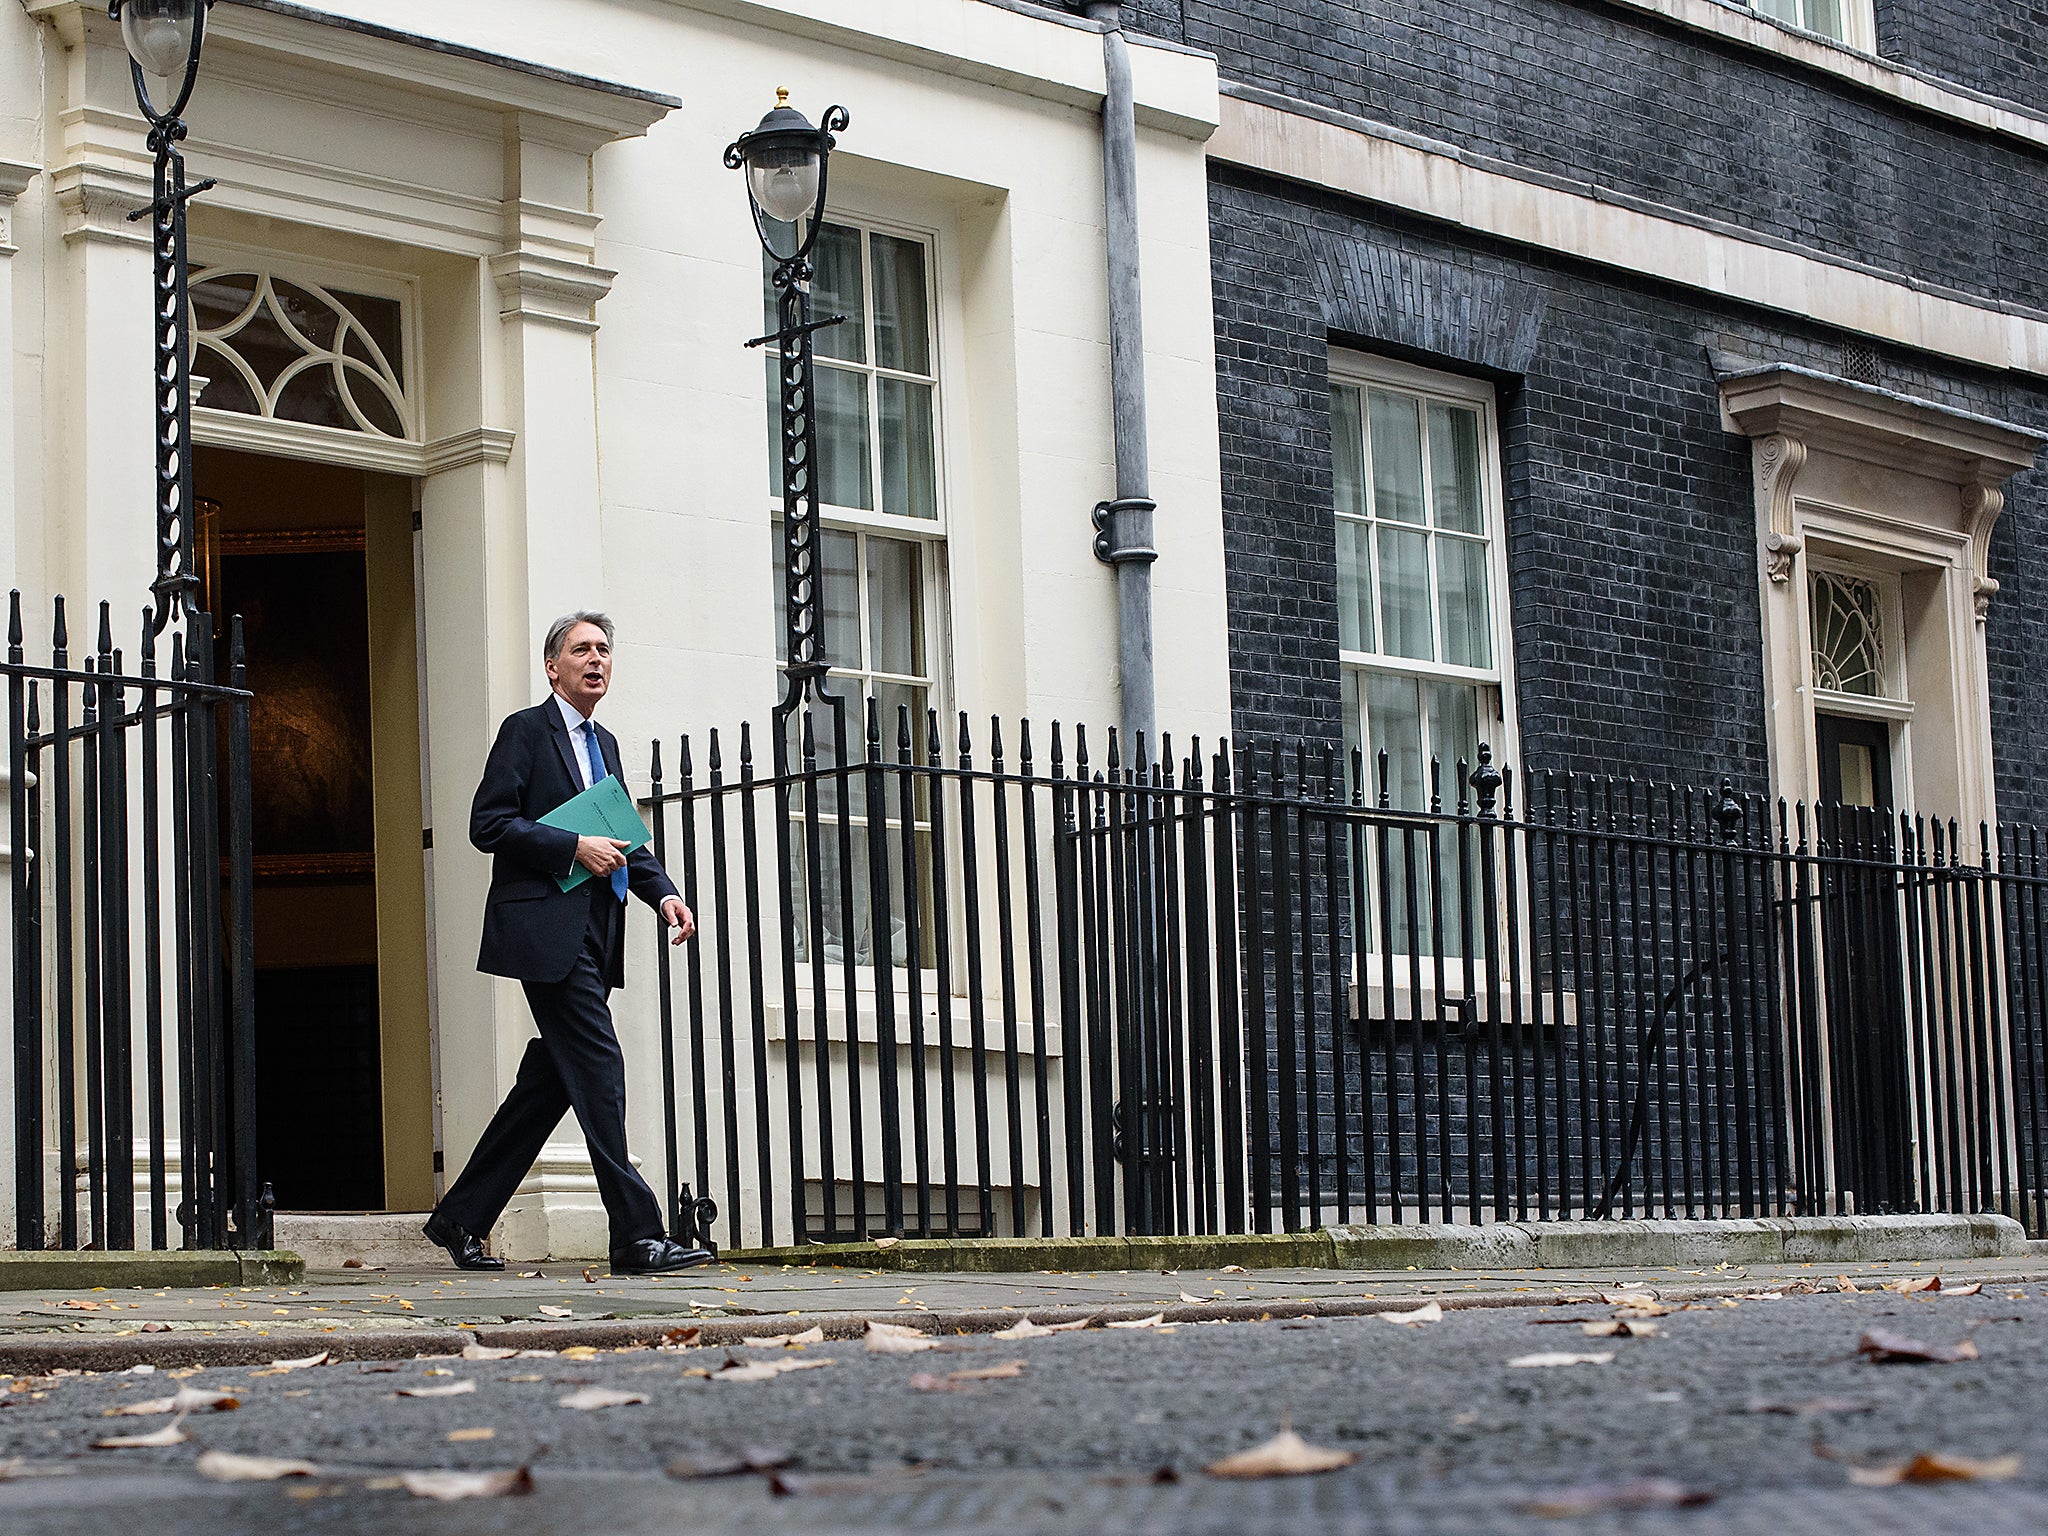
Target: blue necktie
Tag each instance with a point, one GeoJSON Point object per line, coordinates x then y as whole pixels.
{"type": "Point", "coordinates": [595, 758]}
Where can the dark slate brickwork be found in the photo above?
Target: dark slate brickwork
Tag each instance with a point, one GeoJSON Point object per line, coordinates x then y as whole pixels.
{"type": "Point", "coordinates": [1630, 521]}
{"type": "Point", "coordinates": [2000, 47]}
{"type": "Point", "coordinates": [1605, 94]}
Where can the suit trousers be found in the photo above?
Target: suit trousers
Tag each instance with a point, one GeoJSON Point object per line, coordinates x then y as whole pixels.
{"type": "Point", "coordinates": [575, 1064]}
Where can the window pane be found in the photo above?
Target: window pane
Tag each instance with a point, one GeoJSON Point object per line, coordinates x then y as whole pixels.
{"type": "Point", "coordinates": [1394, 726]}
{"type": "Point", "coordinates": [1396, 457]}
{"type": "Point", "coordinates": [841, 598]}
{"type": "Point", "coordinates": [1347, 451]}
{"type": "Point", "coordinates": [1454, 729]}
{"type": "Point", "coordinates": [1782, 10]}
{"type": "Point", "coordinates": [909, 458]}
{"type": "Point", "coordinates": [774, 362]}
{"type": "Point", "coordinates": [838, 290]}
{"type": "Point", "coordinates": [781, 593]}
{"type": "Point", "coordinates": [844, 478]}
{"type": "Point", "coordinates": [891, 699]}
{"type": "Point", "coordinates": [902, 326]}
{"type": "Point", "coordinates": [895, 607]}
{"type": "Point", "coordinates": [1466, 615]}
{"type": "Point", "coordinates": [1454, 468]}
{"type": "Point", "coordinates": [1404, 593]}
{"type": "Point", "coordinates": [1354, 585]}
{"type": "Point", "coordinates": [1825, 17]}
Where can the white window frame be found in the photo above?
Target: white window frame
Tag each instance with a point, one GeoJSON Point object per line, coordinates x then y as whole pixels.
{"type": "Point", "coordinates": [1859, 23]}
{"type": "Point", "coordinates": [1502, 732]}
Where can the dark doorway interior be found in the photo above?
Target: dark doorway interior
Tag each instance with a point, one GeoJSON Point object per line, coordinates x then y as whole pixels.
{"type": "Point", "coordinates": [1855, 761]}
{"type": "Point", "coordinates": [283, 546]}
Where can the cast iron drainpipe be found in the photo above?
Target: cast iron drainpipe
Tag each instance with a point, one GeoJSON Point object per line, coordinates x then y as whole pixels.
{"type": "Point", "coordinates": [1123, 527]}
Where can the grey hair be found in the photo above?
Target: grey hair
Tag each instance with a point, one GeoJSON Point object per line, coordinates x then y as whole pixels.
{"type": "Point", "coordinates": [559, 630]}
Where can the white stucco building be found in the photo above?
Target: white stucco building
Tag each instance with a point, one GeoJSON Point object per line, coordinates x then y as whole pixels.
{"type": "Point", "coordinates": [471, 293]}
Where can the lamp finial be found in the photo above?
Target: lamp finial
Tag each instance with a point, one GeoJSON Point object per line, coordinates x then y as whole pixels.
{"type": "Point", "coordinates": [781, 96]}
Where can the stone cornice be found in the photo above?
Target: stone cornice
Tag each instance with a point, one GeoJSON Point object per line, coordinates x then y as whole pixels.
{"type": "Point", "coordinates": [96, 199]}
{"type": "Point", "coordinates": [15, 175]}
{"type": "Point", "coordinates": [537, 286]}
{"type": "Point", "coordinates": [1877, 426]}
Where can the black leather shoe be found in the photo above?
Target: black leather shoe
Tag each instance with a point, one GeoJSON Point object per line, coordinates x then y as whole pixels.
{"type": "Point", "coordinates": [656, 1256]}
{"type": "Point", "coordinates": [464, 1247]}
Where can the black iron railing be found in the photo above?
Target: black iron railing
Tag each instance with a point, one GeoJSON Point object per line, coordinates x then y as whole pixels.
{"type": "Point", "coordinates": [944, 993]}
{"type": "Point", "coordinates": [131, 921]}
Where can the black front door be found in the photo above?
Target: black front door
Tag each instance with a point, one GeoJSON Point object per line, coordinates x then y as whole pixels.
{"type": "Point", "coordinates": [1860, 894]}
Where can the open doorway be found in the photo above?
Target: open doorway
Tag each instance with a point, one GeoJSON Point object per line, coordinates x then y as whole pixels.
{"type": "Point", "coordinates": [318, 562]}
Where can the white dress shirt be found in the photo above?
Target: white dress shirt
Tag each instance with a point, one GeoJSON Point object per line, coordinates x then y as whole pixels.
{"type": "Point", "coordinates": [576, 724]}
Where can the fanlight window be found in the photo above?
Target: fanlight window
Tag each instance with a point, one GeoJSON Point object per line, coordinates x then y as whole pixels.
{"type": "Point", "coordinates": [1848, 635]}
{"type": "Point", "coordinates": [293, 350]}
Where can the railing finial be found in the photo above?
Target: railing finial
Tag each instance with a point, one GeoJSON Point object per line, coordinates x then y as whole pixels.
{"type": "Point", "coordinates": [1486, 780]}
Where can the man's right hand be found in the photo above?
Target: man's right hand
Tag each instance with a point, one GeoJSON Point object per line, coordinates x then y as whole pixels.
{"type": "Point", "coordinates": [601, 855]}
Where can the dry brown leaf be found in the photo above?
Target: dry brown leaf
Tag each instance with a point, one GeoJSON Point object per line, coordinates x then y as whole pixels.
{"type": "Point", "coordinates": [786, 1340]}
{"type": "Point", "coordinates": [1285, 1455]}
{"type": "Point", "coordinates": [1142, 1322]}
{"type": "Point", "coordinates": [1552, 1357]}
{"type": "Point", "coordinates": [1887, 1348]}
{"type": "Point", "coordinates": [1912, 1285]}
{"type": "Point", "coordinates": [1024, 1328]}
{"type": "Point", "coordinates": [555, 1311]}
{"type": "Point", "coordinates": [581, 1352]}
{"type": "Point", "coordinates": [1844, 1283]}
{"type": "Point", "coordinates": [763, 1370]}
{"type": "Point", "coordinates": [532, 1274]}
{"type": "Point", "coordinates": [589, 1399]}
{"type": "Point", "coordinates": [156, 1327]}
{"type": "Point", "coordinates": [1196, 1301]}
{"type": "Point", "coordinates": [1235, 1269]}
{"type": "Point", "coordinates": [896, 1339]}
{"type": "Point", "coordinates": [751, 1458]}
{"type": "Point", "coordinates": [227, 1467]}
{"type": "Point", "coordinates": [678, 1338]}
{"type": "Point", "coordinates": [305, 1364]}
{"type": "Point", "coordinates": [1428, 1312]}
{"type": "Point", "coordinates": [590, 1277]}
{"type": "Point", "coordinates": [172, 1433]}
{"type": "Point", "coordinates": [187, 1400]}
{"type": "Point", "coordinates": [1642, 1306]}
{"type": "Point", "coordinates": [476, 1351]}
{"type": "Point", "coordinates": [452, 1389]}
{"type": "Point", "coordinates": [1622, 1328]}
{"type": "Point", "coordinates": [1973, 1289]}
{"type": "Point", "coordinates": [887, 1242]}
{"type": "Point", "coordinates": [467, 1436]}
{"type": "Point", "coordinates": [449, 1486]}
{"type": "Point", "coordinates": [1937, 1467]}
{"type": "Point", "coordinates": [1598, 1498]}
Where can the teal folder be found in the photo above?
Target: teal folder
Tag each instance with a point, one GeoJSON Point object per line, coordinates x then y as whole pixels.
{"type": "Point", "coordinates": [603, 810]}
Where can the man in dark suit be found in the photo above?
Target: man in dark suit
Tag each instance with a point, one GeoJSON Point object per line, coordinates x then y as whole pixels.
{"type": "Point", "coordinates": [569, 949]}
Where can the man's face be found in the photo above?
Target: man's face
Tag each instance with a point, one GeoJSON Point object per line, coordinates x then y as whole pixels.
{"type": "Point", "coordinates": [583, 670]}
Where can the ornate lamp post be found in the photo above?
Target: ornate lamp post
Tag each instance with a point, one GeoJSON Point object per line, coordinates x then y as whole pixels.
{"type": "Point", "coordinates": [786, 161]}
{"type": "Point", "coordinates": [164, 38]}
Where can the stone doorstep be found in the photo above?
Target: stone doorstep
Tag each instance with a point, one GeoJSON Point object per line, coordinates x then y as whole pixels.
{"type": "Point", "coordinates": [180, 1269]}
{"type": "Point", "coordinates": [389, 1240]}
{"type": "Point", "coordinates": [1439, 1246]}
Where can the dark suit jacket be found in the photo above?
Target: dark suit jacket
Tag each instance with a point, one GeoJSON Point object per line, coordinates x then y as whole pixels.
{"type": "Point", "coordinates": [532, 927]}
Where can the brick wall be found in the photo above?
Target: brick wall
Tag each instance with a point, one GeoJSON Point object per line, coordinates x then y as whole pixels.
{"type": "Point", "coordinates": [2000, 46]}
{"type": "Point", "coordinates": [1630, 521]}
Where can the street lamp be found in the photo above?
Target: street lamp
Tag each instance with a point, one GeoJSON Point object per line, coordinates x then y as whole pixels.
{"type": "Point", "coordinates": [164, 38]}
{"type": "Point", "coordinates": [786, 161]}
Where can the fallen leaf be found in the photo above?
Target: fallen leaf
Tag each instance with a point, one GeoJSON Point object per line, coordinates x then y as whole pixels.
{"type": "Point", "coordinates": [747, 1459]}
{"type": "Point", "coordinates": [1559, 1357]}
{"type": "Point", "coordinates": [1142, 1322]}
{"type": "Point", "coordinates": [1887, 1348]}
{"type": "Point", "coordinates": [155, 1327]}
{"type": "Point", "coordinates": [227, 1467]}
{"type": "Point", "coordinates": [590, 1277]}
{"type": "Point", "coordinates": [449, 1486]}
{"type": "Point", "coordinates": [301, 1365]}
{"type": "Point", "coordinates": [1622, 1328]}
{"type": "Point", "coordinates": [887, 1242]}
{"type": "Point", "coordinates": [590, 1399]}
{"type": "Point", "coordinates": [555, 1311]}
{"type": "Point", "coordinates": [1973, 1289]}
{"type": "Point", "coordinates": [1598, 1498]}
{"type": "Point", "coordinates": [1937, 1467]}
{"type": "Point", "coordinates": [80, 1306]}
{"type": "Point", "coordinates": [1913, 1285]}
{"type": "Point", "coordinates": [187, 1400]}
{"type": "Point", "coordinates": [1813, 1407]}
{"type": "Point", "coordinates": [1428, 1312]}
{"type": "Point", "coordinates": [172, 1433]}
{"type": "Point", "coordinates": [1844, 1283]}
{"type": "Point", "coordinates": [1195, 1301]}
{"type": "Point", "coordinates": [580, 1352]}
{"type": "Point", "coordinates": [466, 1436]}
{"type": "Point", "coordinates": [786, 1340]}
{"type": "Point", "coordinates": [531, 1274]}
{"type": "Point", "coordinates": [1642, 1306]}
{"type": "Point", "coordinates": [762, 1370]}
{"type": "Point", "coordinates": [451, 1389]}
{"type": "Point", "coordinates": [677, 1338]}
{"type": "Point", "coordinates": [895, 1339]}
{"type": "Point", "coordinates": [1285, 1455]}
{"type": "Point", "coordinates": [1024, 1328]}
{"type": "Point", "coordinates": [1235, 1269]}
{"type": "Point", "coordinates": [955, 1381]}
{"type": "Point", "coordinates": [375, 1269]}
{"type": "Point", "coordinates": [475, 1351]}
